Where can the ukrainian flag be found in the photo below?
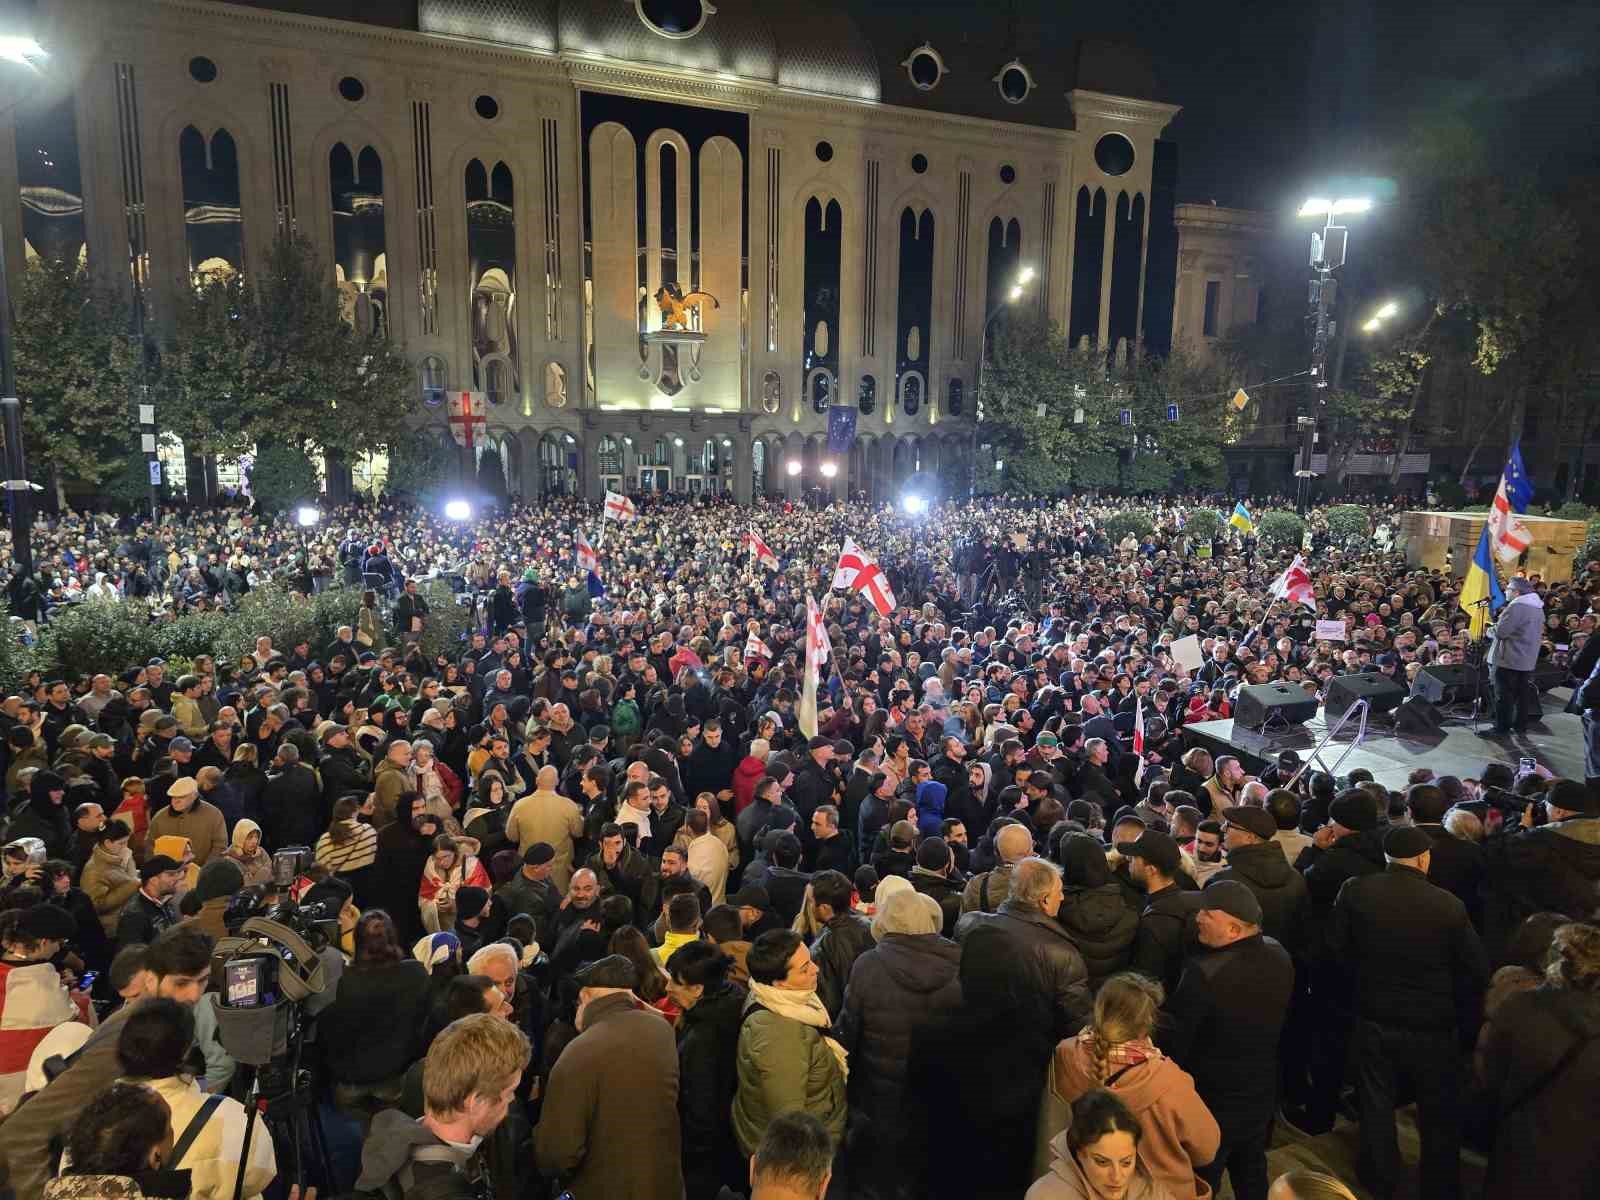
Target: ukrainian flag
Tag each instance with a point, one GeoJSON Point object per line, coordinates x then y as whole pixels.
{"type": "Point", "coordinates": [1481, 582]}
{"type": "Point", "coordinates": [1241, 518]}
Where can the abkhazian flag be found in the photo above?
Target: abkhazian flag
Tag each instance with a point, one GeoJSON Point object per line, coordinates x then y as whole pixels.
{"type": "Point", "coordinates": [1509, 535]}
{"type": "Point", "coordinates": [587, 559]}
{"type": "Point", "coordinates": [760, 551]}
{"type": "Point", "coordinates": [1295, 584]}
{"type": "Point", "coordinates": [817, 651]}
{"type": "Point", "coordinates": [619, 507]}
{"type": "Point", "coordinates": [860, 572]}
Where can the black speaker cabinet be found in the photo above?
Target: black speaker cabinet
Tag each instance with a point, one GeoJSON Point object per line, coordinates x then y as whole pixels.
{"type": "Point", "coordinates": [1277, 703]}
{"type": "Point", "coordinates": [1418, 718]}
{"type": "Point", "coordinates": [1446, 685]}
{"type": "Point", "coordinates": [1379, 691]}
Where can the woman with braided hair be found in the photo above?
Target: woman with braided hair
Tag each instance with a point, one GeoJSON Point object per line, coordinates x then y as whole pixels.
{"type": "Point", "coordinates": [1117, 1051]}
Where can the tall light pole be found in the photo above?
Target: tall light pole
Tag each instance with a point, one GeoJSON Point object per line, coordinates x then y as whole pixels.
{"type": "Point", "coordinates": [1017, 290]}
{"type": "Point", "coordinates": [25, 52]}
{"type": "Point", "coordinates": [1327, 255]}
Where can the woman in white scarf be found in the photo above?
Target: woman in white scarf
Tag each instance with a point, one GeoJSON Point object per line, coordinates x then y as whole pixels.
{"type": "Point", "coordinates": [787, 1058]}
{"type": "Point", "coordinates": [431, 786]}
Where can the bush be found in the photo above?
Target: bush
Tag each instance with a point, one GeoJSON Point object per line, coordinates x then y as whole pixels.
{"type": "Point", "coordinates": [1449, 494]}
{"type": "Point", "coordinates": [1122, 524]}
{"type": "Point", "coordinates": [1097, 469]}
{"type": "Point", "coordinates": [448, 624]}
{"type": "Point", "coordinates": [1281, 531]}
{"type": "Point", "coordinates": [1202, 524]}
{"type": "Point", "coordinates": [86, 637]}
{"type": "Point", "coordinates": [1573, 511]}
{"type": "Point", "coordinates": [1349, 523]}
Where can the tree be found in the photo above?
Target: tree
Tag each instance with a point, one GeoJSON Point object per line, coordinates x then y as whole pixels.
{"type": "Point", "coordinates": [253, 357]}
{"type": "Point", "coordinates": [75, 371]}
{"type": "Point", "coordinates": [419, 464]}
{"type": "Point", "coordinates": [282, 475]}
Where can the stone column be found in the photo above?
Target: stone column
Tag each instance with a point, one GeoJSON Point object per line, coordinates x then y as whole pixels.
{"type": "Point", "coordinates": [742, 483]}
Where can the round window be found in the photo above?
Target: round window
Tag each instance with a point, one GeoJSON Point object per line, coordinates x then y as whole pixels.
{"type": "Point", "coordinates": [673, 18]}
{"type": "Point", "coordinates": [919, 163]}
{"type": "Point", "coordinates": [1113, 154]}
{"type": "Point", "coordinates": [1015, 81]}
{"type": "Point", "coordinates": [486, 107]}
{"type": "Point", "coordinates": [352, 89]}
{"type": "Point", "coordinates": [202, 69]}
{"type": "Point", "coordinates": [924, 67]}
{"type": "Point", "coordinates": [1008, 173]}
{"type": "Point", "coordinates": [824, 151]}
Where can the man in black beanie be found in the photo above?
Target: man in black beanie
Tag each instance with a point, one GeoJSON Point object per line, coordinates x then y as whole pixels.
{"type": "Point", "coordinates": [472, 905]}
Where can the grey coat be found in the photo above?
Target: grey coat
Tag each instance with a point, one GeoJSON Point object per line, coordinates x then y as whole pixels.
{"type": "Point", "coordinates": [1517, 634]}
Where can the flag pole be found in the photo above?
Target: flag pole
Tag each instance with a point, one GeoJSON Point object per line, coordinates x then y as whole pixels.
{"type": "Point", "coordinates": [601, 539]}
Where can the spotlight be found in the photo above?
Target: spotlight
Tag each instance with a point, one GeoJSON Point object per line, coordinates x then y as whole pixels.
{"type": "Point", "coordinates": [307, 515]}
{"type": "Point", "coordinates": [829, 469]}
{"type": "Point", "coordinates": [793, 466]}
{"type": "Point", "coordinates": [458, 510]}
{"type": "Point", "coordinates": [914, 504]}
{"type": "Point", "coordinates": [677, 441]}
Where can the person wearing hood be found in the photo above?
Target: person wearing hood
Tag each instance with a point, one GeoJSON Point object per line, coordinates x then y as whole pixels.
{"type": "Point", "coordinates": [404, 846]}
{"type": "Point", "coordinates": [1093, 912]}
{"type": "Point", "coordinates": [903, 990]}
{"type": "Point", "coordinates": [1117, 1051]}
{"type": "Point", "coordinates": [189, 817]}
{"type": "Point", "coordinates": [1098, 1156]}
{"type": "Point", "coordinates": [244, 850]}
{"type": "Point", "coordinates": [1256, 860]}
{"type": "Point", "coordinates": [220, 880]}
{"type": "Point", "coordinates": [470, 1079]}
{"type": "Point", "coordinates": [44, 815]}
{"type": "Point", "coordinates": [930, 803]}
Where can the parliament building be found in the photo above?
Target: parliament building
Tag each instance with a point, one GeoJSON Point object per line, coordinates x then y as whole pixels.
{"type": "Point", "coordinates": [663, 238]}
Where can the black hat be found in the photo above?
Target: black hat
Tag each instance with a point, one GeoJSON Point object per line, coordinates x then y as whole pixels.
{"type": "Point", "coordinates": [219, 877]}
{"type": "Point", "coordinates": [820, 743]}
{"type": "Point", "coordinates": [470, 902]}
{"type": "Point", "coordinates": [1157, 849]}
{"type": "Point", "coordinates": [1232, 897]}
{"type": "Point", "coordinates": [933, 854]}
{"type": "Point", "coordinates": [1573, 795]}
{"type": "Point", "coordinates": [157, 864]}
{"type": "Point", "coordinates": [753, 896]}
{"type": "Point", "coordinates": [46, 922]}
{"type": "Point", "coordinates": [1126, 814]}
{"type": "Point", "coordinates": [612, 971]}
{"type": "Point", "coordinates": [1251, 819]}
{"type": "Point", "coordinates": [1406, 841]}
{"type": "Point", "coordinates": [538, 854]}
{"type": "Point", "coordinates": [1355, 810]}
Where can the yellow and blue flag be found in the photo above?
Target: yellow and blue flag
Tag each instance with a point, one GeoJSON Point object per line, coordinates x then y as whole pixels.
{"type": "Point", "coordinates": [1241, 519]}
{"type": "Point", "coordinates": [1481, 583]}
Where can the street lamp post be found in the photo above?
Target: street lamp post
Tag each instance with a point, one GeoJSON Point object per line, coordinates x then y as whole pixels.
{"type": "Point", "coordinates": [1015, 293]}
{"type": "Point", "coordinates": [1327, 255]}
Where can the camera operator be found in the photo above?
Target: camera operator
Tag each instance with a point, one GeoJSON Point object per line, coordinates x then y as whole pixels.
{"type": "Point", "coordinates": [178, 968]}
{"type": "Point", "coordinates": [1553, 867]}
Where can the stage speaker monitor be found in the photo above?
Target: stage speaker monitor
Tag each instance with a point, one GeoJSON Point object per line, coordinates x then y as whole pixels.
{"type": "Point", "coordinates": [1446, 685]}
{"type": "Point", "coordinates": [1418, 718]}
{"type": "Point", "coordinates": [1381, 693]}
{"type": "Point", "coordinates": [1273, 703]}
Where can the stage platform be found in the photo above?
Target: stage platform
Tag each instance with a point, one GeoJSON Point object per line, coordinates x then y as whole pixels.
{"type": "Point", "coordinates": [1556, 743]}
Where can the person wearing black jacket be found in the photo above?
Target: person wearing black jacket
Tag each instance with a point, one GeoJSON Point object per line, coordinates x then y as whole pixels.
{"type": "Point", "coordinates": [1092, 912]}
{"type": "Point", "coordinates": [845, 937]}
{"type": "Point", "coordinates": [1419, 972]}
{"type": "Point", "coordinates": [344, 772]}
{"type": "Point", "coordinates": [1165, 931]}
{"type": "Point", "coordinates": [709, 768]}
{"type": "Point", "coordinates": [1457, 864]}
{"type": "Point", "coordinates": [44, 815]}
{"type": "Point", "coordinates": [708, 1074]}
{"type": "Point", "coordinates": [368, 1057]}
{"type": "Point", "coordinates": [292, 812]}
{"type": "Point", "coordinates": [1257, 861]}
{"type": "Point", "coordinates": [1232, 1055]}
{"type": "Point", "coordinates": [936, 876]}
{"type": "Point", "coordinates": [404, 846]}
{"type": "Point", "coordinates": [1553, 867]}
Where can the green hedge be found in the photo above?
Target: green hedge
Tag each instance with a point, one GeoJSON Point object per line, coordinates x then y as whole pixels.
{"type": "Point", "coordinates": [1281, 530]}
{"type": "Point", "coordinates": [1349, 523]}
{"type": "Point", "coordinates": [1124, 523]}
{"type": "Point", "coordinates": [1202, 524]}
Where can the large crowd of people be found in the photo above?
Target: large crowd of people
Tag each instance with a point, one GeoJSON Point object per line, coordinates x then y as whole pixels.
{"type": "Point", "coordinates": [600, 912]}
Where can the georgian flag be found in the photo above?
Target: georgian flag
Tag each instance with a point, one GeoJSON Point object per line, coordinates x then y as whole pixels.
{"type": "Point", "coordinates": [619, 507]}
{"type": "Point", "coordinates": [760, 551]}
{"type": "Point", "coordinates": [817, 651]}
{"type": "Point", "coordinates": [1295, 584]}
{"type": "Point", "coordinates": [860, 572]}
{"type": "Point", "coordinates": [587, 559]}
{"type": "Point", "coordinates": [756, 648]}
{"type": "Point", "coordinates": [1138, 740]}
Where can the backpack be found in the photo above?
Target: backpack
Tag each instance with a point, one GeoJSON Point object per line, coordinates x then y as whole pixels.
{"type": "Point", "coordinates": [452, 1184]}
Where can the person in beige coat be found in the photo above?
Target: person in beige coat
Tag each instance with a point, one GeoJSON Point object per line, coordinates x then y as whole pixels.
{"type": "Point", "coordinates": [188, 816]}
{"type": "Point", "coordinates": [545, 815]}
{"type": "Point", "coordinates": [110, 877]}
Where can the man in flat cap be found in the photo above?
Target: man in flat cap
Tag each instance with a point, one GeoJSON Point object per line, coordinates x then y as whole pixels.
{"type": "Point", "coordinates": [1419, 972]}
{"type": "Point", "coordinates": [609, 1126]}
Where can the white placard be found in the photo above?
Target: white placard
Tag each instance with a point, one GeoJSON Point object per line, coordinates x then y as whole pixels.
{"type": "Point", "coordinates": [1186, 653]}
{"type": "Point", "coordinates": [1330, 631]}
{"type": "Point", "coordinates": [147, 442]}
{"type": "Point", "coordinates": [147, 414]}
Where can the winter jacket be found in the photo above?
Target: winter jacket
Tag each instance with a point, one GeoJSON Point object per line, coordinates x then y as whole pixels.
{"type": "Point", "coordinates": [1049, 967]}
{"type": "Point", "coordinates": [201, 823]}
{"type": "Point", "coordinates": [1092, 911]}
{"type": "Point", "coordinates": [1280, 889]}
{"type": "Point", "coordinates": [363, 1051]}
{"type": "Point", "coordinates": [987, 890]}
{"type": "Point", "coordinates": [710, 768]}
{"type": "Point", "coordinates": [842, 941]}
{"type": "Point", "coordinates": [552, 818]}
{"type": "Point", "coordinates": [1544, 1143]}
{"type": "Point", "coordinates": [1326, 871]}
{"type": "Point", "coordinates": [1410, 947]}
{"type": "Point", "coordinates": [746, 775]}
{"type": "Point", "coordinates": [945, 891]}
{"type": "Point", "coordinates": [902, 991]}
{"type": "Point", "coordinates": [213, 1159]}
{"type": "Point", "coordinates": [388, 781]}
{"type": "Point", "coordinates": [1164, 935]}
{"type": "Point", "coordinates": [1179, 1132]}
{"type": "Point", "coordinates": [387, 1153]}
{"type": "Point", "coordinates": [615, 1085]}
{"type": "Point", "coordinates": [708, 1077]}
{"type": "Point", "coordinates": [109, 880]}
{"type": "Point", "coordinates": [292, 810]}
{"type": "Point", "coordinates": [784, 1065]}
{"type": "Point", "coordinates": [1066, 1180]}
{"type": "Point", "coordinates": [1554, 868]}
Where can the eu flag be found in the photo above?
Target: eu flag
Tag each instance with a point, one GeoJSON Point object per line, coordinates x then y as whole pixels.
{"type": "Point", "coordinates": [841, 428]}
